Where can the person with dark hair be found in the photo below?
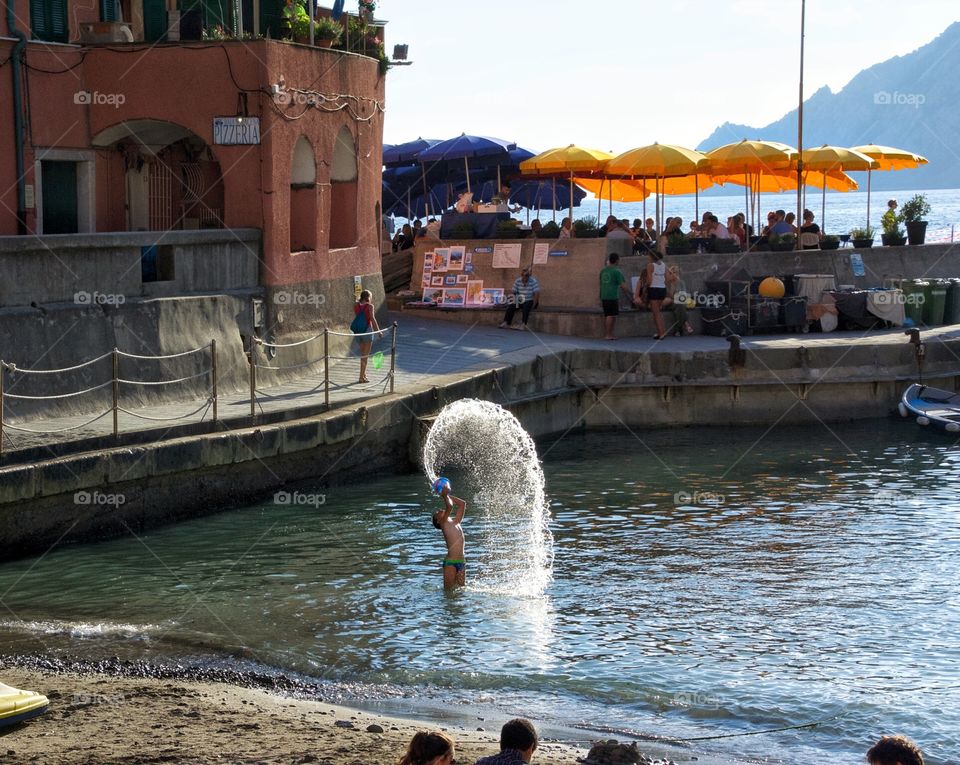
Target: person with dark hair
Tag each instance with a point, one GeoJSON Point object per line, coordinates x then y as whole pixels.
{"type": "Point", "coordinates": [612, 281]}
{"type": "Point", "coordinates": [428, 748]}
{"type": "Point", "coordinates": [518, 742]}
{"type": "Point", "coordinates": [895, 750]}
{"type": "Point", "coordinates": [656, 280]}
{"type": "Point", "coordinates": [363, 319]}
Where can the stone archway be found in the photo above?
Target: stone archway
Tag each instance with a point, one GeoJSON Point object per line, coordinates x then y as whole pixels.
{"type": "Point", "coordinates": [166, 178]}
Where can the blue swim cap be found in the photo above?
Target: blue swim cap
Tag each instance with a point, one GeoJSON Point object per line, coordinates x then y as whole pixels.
{"type": "Point", "coordinates": [440, 483]}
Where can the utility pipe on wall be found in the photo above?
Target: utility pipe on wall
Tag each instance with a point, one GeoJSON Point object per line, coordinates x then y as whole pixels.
{"type": "Point", "coordinates": [18, 115]}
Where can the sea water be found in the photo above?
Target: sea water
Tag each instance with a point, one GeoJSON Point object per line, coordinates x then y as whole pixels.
{"type": "Point", "coordinates": [705, 582]}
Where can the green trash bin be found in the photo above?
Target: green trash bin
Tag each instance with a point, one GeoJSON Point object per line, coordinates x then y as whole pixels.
{"type": "Point", "coordinates": [913, 300]}
{"type": "Point", "coordinates": [936, 297]}
{"type": "Point", "coordinates": [951, 309]}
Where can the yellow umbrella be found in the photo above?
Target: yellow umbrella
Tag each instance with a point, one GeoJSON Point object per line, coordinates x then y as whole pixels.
{"type": "Point", "coordinates": [837, 158]}
{"type": "Point", "coordinates": [889, 158]}
{"type": "Point", "coordinates": [658, 161]}
{"type": "Point", "coordinates": [753, 161]}
{"type": "Point", "coordinates": [565, 161]}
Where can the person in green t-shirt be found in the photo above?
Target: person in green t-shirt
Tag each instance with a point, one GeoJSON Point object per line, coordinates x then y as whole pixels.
{"type": "Point", "coordinates": [612, 281]}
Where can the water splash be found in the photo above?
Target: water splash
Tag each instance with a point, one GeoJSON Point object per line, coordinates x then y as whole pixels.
{"type": "Point", "coordinates": [490, 457]}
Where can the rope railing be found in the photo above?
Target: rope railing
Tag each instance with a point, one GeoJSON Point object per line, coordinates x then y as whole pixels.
{"type": "Point", "coordinates": [388, 380]}
{"type": "Point", "coordinates": [114, 383]}
{"type": "Point", "coordinates": [324, 359]}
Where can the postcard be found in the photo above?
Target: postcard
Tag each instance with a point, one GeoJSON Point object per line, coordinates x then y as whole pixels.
{"type": "Point", "coordinates": [475, 292]}
{"type": "Point", "coordinates": [454, 296]}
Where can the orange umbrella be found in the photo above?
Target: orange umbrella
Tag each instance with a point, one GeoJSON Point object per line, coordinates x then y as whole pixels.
{"type": "Point", "coordinates": [754, 162]}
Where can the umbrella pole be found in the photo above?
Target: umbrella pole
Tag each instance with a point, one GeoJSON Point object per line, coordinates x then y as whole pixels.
{"type": "Point", "coordinates": [600, 202]}
{"type": "Point", "coordinates": [823, 205]}
{"type": "Point", "coordinates": [553, 185]}
{"type": "Point", "coordinates": [869, 173]}
{"type": "Point", "coordinates": [466, 169]}
{"type": "Point", "coordinates": [499, 184]}
{"type": "Point", "coordinates": [571, 200]}
{"type": "Point", "coordinates": [696, 194]}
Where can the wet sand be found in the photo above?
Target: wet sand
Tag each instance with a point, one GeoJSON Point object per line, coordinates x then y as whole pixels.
{"type": "Point", "coordinates": [97, 719]}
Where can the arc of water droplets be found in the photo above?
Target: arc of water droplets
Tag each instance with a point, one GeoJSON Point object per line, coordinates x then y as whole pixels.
{"type": "Point", "coordinates": [494, 460]}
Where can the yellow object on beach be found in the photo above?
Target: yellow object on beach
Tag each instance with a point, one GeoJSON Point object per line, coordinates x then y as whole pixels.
{"type": "Point", "coordinates": [17, 706]}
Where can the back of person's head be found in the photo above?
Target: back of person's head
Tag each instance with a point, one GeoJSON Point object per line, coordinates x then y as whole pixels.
{"type": "Point", "coordinates": [426, 746]}
{"type": "Point", "coordinates": [895, 750]}
{"type": "Point", "coordinates": [790, 217]}
{"type": "Point", "coordinates": [781, 214]}
{"type": "Point", "coordinates": [518, 734]}
{"type": "Point", "coordinates": [614, 258]}
{"type": "Point", "coordinates": [637, 223]}
{"type": "Point", "coordinates": [365, 296]}
{"type": "Point", "coordinates": [891, 203]}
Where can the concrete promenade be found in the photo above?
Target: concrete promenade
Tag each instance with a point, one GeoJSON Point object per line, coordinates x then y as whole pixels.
{"type": "Point", "coordinates": [432, 352]}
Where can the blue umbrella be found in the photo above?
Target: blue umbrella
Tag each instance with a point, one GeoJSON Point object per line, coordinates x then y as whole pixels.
{"type": "Point", "coordinates": [466, 147]}
{"type": "Point", "coordinates": [405, 153]}
{"type": "Point", "coordinates": [418, 206]}
{"type": "Point", "coordinates": [545, 195]}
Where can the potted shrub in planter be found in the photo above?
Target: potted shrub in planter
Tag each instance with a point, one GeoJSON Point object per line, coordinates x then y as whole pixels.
{"type": "Point", "coordinates": [913, 212]}
{"type": "Point", "coordinates": [327, 32]}
{"type": "Point", "coordinates": [463, 230]}
{"type": "Point", "coordinates": [783, 242]}
{"type": "Point", "coordinates": [550, 230]}
{"type": "Point", "coordinates": [585, 227]}
{"type": "Point", "coordinates": [507, 229]}
{"type": "Point", "coordinates": [678, 243]}
{"type": "Point", "coordinates": [893, 234]}
{"type": "Point", "coordinates": [862, 237]}
{"type": "Point", "coordinates": [830, 242]}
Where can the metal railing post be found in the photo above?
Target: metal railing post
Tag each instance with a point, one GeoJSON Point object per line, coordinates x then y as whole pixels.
{"type": "Point", "coordinates": [3, 373]}
{"type": "Point", "coordinates": [393, 357]}
{"type": "Point", "coordinates": [326, 367]}
{"type": "Point", "coordinates": [253, 378]}
{"type": "Point", "coordinates": [213, 377]}
{"type": "Point", "coordinates": [116, 391]}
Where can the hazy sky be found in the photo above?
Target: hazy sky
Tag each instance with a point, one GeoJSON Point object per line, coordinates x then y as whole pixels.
{"type": "Point", "coordinates": [616, 75]}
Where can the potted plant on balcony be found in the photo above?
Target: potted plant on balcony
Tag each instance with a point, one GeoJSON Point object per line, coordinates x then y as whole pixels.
{"type": "Point", "coordinates": [862, 237]}
{"type": "Point", "coordinates": [830, 242]}
{"type": "Point", "coordinates": [298, 21]}
{"type": "Point", "coordinates": [585, 227]}
{"type": "Point", "coordinates": [327, 32]}
{"type": "Point", "coordinates": [507, 229]}
{"type": "Point", "coordinates": [367, 7]}
{"type": "Point", "coordinates": [913, 212]}
{"type": "Point", "coordinates": [550, 230]}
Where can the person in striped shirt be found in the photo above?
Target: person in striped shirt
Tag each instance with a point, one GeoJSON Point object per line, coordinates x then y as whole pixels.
{"type": "Point", "coordinates": [524, 295]}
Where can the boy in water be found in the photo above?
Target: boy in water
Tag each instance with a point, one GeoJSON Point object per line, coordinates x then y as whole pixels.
{"type": "Point", "coordinates": [454, 565]}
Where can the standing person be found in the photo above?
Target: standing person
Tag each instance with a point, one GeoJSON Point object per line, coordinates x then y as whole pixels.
{"type": "Point", "coordinates": [890, 217]}
{"type": "Point", "coordinates": [895, 750]}
{"type": "Point", "coordinates": [518, 742]}
{"type": "Point", "coordinates": [429, 748]}
{"type": "Point", "coordinates": [657, 290]}
{"type": "Point", "coordinates": [363, 320]}
{"type": "Point", "coordinates": [612, 281]}
{"type": "Point", "coordinates": [455, 564]}
{"type": "Point", "coordinates": [525, 295]}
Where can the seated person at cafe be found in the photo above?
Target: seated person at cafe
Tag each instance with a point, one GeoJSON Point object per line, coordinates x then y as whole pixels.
{"type": "Point", "coordinates": [737, 231]}
{"type": "Point", "coordinates": [614, 229]}
{"type": "Point", "coordinates": [566, 229]}
{"type": "Point", "coordinates": [637, 231]}
{"type": "Point", "coordinates": [403, 239]}
{"type": "Point", "coordinates": [780, 226]}
{"type": "Point", "coordinates": [716, 228]}
{"type": "Point", "coordinates": [536, 227]}
{"type": "Point", "coordinates": [671, 226]}
{"type": "Point", "coordinates": [694, 230]}
{"type": "Point", "coordinates": [651, 230]}
{"type": "Point", "coordinates": [768, 229]}
{"type": "Point", "coordinates": [746, 226]}
{"type": "Point", "coordinates": [432, 229]}
{"type": "Point", "coordinates": [791, 220]}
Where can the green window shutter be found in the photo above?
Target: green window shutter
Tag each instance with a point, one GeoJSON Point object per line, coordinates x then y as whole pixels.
{"type": "Point", "coordinates": [271, 18]}
{"type": "Point", "coordinates": [48, 20]}
{"type": "Point", "coordinates": [154, 20]}
{"type": "Point", "coordinates": [108, 10]}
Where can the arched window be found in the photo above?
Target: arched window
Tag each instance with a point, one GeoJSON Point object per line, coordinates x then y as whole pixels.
{"type": "Point", "coordinates": [303, 198]}
{"type": "Point", "coordinates": [343, 191]}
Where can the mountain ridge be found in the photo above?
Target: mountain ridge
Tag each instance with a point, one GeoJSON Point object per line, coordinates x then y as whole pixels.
{"type": "Point", "coordinates": [910, 102]}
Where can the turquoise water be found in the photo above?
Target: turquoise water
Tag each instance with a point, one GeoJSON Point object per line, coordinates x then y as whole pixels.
{"type": "Point", "coordinates": [705, 583]}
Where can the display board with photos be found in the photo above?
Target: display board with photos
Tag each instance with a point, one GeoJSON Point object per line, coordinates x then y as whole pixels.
{"type": "Point", "coordinates": [447, 280]}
